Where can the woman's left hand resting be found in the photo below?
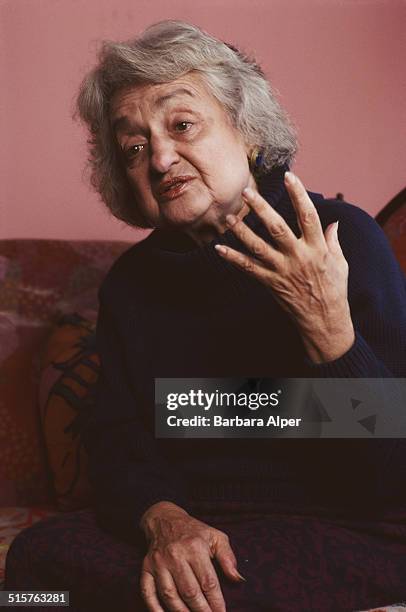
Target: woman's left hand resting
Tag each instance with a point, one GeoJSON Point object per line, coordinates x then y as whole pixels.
{"type": "Point", "coordinates": [308, 275]}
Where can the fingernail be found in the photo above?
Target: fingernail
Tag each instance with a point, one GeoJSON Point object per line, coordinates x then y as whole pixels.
{"type": "Point", "coordinates": [221, 249]}
{"type": "Point", "coordinates": [240, 577]}
{"type": "Point", "coordinates": [336, 230]}
{"type": "Point", "coordinates": [290, 178]}
{"type": "Point", "coordinates": [231, 220]}
{"type": "Point", "coordinates": [248, 192]}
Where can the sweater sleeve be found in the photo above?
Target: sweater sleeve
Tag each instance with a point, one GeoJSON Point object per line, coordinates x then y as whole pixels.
{"type": "Point", "coordinates": [377, 298]}
{"type": "Point", "coordinates": [126, 471]}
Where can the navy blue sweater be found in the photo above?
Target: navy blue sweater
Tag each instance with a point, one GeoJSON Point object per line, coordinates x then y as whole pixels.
{"type": "Point", "coordinates": [171, 309]}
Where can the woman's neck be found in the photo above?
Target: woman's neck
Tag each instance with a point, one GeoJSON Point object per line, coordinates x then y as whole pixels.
{"type": "Point", "coordinates": [205, 233]}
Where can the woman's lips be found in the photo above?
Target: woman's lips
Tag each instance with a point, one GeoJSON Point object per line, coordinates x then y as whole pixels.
{"type": "Point", "coordinates": [174, 188]}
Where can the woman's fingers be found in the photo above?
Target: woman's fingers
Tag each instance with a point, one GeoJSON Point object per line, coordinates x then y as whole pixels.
{"type": "Point", "coordinates": [274, 223]}
{"type": "Point", "coordinates": [258, 247]}
{"type": "Point", "coordinates": [279, 230]}
{"type": "Point", "coordinates": [209, 583]}
{"type": "Point", "coordinates": [244, 262]}
{"type": "Point", "coordinates": [202, 593]}
{"type": "Point", "coordinates": [149, 592]}
{"type": "Point", "coordinates": [331, 237]}
{"type": "Point", "coordinates": [178, 572]}
{"type": "Point", "coordinates": [308, 276]}
{"type": "Point", "coordinates": [226, 558]}
{"type": "Point", "coordinates": [182, 589]}
{"type": "Point", "coordinates": [307, 215]}
{"type": "Point", "coordinates": [168, 591]}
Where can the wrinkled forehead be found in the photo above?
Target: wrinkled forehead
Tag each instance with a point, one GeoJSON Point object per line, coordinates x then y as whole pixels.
{"type": "Point", "coordinates": [190, 90]}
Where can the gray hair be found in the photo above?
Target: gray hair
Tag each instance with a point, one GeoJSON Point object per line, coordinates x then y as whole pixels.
{"type": "Point", "coordinates": [164, 52]}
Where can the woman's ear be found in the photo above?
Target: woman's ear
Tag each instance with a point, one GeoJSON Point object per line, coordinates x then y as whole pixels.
{"type": "Point", "coordinates": [252, 155]}
{"type": "Point", "coordinates": [255, 159]}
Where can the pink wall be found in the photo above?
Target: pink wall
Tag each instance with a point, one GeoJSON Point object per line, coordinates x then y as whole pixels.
{"type": "Point", "coordinates": [338, 65]}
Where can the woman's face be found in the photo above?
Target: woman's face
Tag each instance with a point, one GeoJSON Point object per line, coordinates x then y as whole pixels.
{"type": "Point", "coordinates": [185, 161]}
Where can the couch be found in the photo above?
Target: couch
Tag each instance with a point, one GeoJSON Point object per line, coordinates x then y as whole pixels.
{"type": "Point", "coordinates": [48, 308]}
{"type": "Point", "coordinates": [48, 363]}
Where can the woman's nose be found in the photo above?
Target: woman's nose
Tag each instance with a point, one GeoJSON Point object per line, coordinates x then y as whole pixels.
{"type": "Point", "coordinates": [163, 154]}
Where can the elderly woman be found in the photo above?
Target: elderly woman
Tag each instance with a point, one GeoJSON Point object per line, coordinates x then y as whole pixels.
{"type": "Point", "coordinates": [245, 273]}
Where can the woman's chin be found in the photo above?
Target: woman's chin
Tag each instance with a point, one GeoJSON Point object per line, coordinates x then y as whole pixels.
{"type": "Point", "coordinates": [185, 217]}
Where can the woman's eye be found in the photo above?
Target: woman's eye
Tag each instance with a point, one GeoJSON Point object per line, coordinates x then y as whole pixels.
{"type": "Point", "coordinates": [183, 126]}
{"type": "Point", "coordinates": [133, 151]}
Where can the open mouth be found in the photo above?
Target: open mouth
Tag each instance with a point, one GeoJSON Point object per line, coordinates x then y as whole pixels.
{"type": "Point", "coordinates": [174, 187]}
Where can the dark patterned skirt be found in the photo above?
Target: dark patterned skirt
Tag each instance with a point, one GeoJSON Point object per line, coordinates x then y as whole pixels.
{"type": "Point", "coordinates": [292, 563]}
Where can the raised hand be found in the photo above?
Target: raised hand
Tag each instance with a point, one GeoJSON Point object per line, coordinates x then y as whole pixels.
{"type": "Point", "coordinates": [308, 275]}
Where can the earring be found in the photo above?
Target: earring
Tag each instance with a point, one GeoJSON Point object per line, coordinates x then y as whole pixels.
{"type": "Point", "coordinates": [255, 160]}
